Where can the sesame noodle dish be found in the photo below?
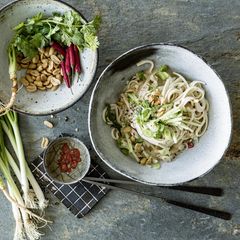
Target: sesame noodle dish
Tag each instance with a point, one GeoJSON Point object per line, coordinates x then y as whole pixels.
{"type": "Point", "coordinates": [159, 114]}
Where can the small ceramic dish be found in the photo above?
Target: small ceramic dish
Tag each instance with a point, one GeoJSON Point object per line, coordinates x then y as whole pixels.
{"type": "Point", "coordinates": [191, 163]}
{"type": "Point", "coordinates": [52, 158]}
{"type": "Point", "coordinates": [41, 102]}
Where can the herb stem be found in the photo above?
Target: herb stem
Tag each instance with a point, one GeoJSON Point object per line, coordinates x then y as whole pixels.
{"type": "Point", "coordinates": [59, 23]}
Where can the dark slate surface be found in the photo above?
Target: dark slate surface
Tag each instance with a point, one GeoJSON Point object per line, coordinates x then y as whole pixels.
{"type": "Point", "coordinates": [212, 29]}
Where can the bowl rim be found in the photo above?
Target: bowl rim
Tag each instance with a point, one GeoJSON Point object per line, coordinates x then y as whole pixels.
{"type": "Point", "coordinates": [88, 159]}
{"type": "Point", "coordinates": [90, 83]}
{"type": "Point", "coordinates": [105, 160]}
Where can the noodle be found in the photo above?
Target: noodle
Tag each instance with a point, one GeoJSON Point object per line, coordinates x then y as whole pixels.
{"type": "Point", "coordinates": [158, 115]}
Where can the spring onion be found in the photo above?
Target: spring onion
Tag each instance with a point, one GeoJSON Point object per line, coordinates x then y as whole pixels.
{"type": "Point", "coordinates": [21, 206]}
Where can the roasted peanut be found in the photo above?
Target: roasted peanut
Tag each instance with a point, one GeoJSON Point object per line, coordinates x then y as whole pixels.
{"type": "Point", "coordinates": [32, 66]}
{"type": "Point", "coordinates": [138, 147]}
{"type": "Point", "coordinates": [55, 59]}
{"type": "Point", "coordinates": [38, 78]}
{"type": "Point", "coordinates": [56, 71]}
{"type": "Point", "coordinates": [47, 82]}
{"type": "Point", "coordinates": [54, 88]}
{"type": "Point", "coordinates": [50, 67]}
{"type": "Point", "coordinates": [160, 112]}
{"type": "Point", "coordinates": [51, 51]}
{"type": "Point", "coordinates": [24, 81]}
{"type": "Point", "coordinates": [127, 129]}
{"type": "Point", "coordinates": [44, 65]}
{"type": "Point", "coordinates": [49, 86]}
{"type": "Point", "coordinates": [35, 59]}
{"type": "Point", "coordinates": [149, 161]}
{"type": "Point", "coordinates": [43, 77]}
{"type": "Point", "coordinates": [143, 161]}
{"type": "Point", "coordinates": [42, 88]}
{"type": "Point", "coordinates": [38, 83]}
{"type": "Point", "coordinates": [40, 68]}
{"type": "Point", "coordinates": [55, 66]}
{"type": "Point", "coordinates": [48, 124]}
{"type": "Point", "coordinates": [25, 66]}
{"type": "Point", "coordinates": [42, 57]}
{"type": "Point", "coordinates": [25, 60]}
{"type": "Point", "coordinates": [132, 138]}
{"type": "Point", "coordinates": [31, 88]}
{"type": "Point", "coordinates": [44, 143]}
{"type": "Point", "coordinates": [45, 60]}
{"type": "Point", "coordinates": [46, 73]}
{"type": "Point", "coordinates": [55, 81]}
{"type": "Point", "coordinates": [59, 77]}
{"type": "Point", "coordinates": [49, 78]}
{"type": "Point", "coordinates": [34, 73]}
{"type": "Point", "coordinates": [29, 78]}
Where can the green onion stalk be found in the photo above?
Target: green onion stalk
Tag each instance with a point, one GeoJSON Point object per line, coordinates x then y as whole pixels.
{"type": "Point", "coordinates": [24, 217]}
{"type": "Point", "coordinates": [10, 127]}
{"type": "Point", "coordinates": [11, 119]}
{"type": "Point", "coordinates": [13, 77]}
{"type": "Point", "coordinates": [4, 167]}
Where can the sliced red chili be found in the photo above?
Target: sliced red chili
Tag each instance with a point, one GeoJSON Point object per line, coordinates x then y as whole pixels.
{"type": "Point", "coordinates": [74, 158]}
{"type": "Point", "coordinates": [63, 167]}
{"type": "Point", "coordinates": [65, 148]}
{"type": "Point", "coordinates": [74, 164]}
{"type": "Point", "coordinates": [69, 158]}
{"type": "Point", "coordinates": [75, 152]}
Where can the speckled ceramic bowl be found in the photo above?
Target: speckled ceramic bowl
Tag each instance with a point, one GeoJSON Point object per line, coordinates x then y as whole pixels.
{"type": "Point", "coordinates": [40, 103]}
{"type": "Point", "coordinates": [190, 164]}
{"type": "Point", "coordinates": [52, 156]}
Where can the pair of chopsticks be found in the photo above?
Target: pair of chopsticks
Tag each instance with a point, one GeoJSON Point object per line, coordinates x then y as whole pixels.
{"type": "Point", "coordinates": [212, 191]}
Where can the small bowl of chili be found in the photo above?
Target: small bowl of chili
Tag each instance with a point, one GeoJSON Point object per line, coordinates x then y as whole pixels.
{"type": "Point", "coordinates": [66, 160]}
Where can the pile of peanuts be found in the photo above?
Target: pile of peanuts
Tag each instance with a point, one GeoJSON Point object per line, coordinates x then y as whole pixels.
{"type": "Point", "coordinates": [43, 72]}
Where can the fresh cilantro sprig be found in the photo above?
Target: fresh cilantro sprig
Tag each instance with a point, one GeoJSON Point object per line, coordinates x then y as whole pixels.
{"type": "Point", "coordinates": [70, 27]}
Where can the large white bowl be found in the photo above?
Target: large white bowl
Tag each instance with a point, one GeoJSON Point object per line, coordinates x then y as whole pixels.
{"type": "Point", "coordinates": [40, 103]}
{"type": "Point", "coordinates": [190, 164]}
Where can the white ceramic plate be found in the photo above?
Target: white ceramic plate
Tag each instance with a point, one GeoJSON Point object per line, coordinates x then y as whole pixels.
{"type": "Point", "coordinates": [40, 103]}
{"type": "Point", "coordinates": [190, 164]}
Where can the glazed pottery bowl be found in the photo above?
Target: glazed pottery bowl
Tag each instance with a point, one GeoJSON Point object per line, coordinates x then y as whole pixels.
{"type": "Point", "coordinates": [52, 156]}
{"type": "Point", "coordinates": [190, 164]}
{"type": "Point", "coordinates": [41, 102]}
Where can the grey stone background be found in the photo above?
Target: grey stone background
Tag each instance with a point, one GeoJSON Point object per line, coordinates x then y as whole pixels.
{"type": "Point", "coordinates": [212, 29]}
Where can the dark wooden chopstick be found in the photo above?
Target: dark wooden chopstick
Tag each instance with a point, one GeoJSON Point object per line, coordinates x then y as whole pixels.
{"type": "Point", "coordinates": [208, 211]}
{"type": "Point", "coordinates": [193, 189]}
{"type": "Point", "coordinates": [200, 189]}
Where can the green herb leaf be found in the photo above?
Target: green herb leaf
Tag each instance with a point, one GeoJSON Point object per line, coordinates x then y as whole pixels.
{"type": "Point", "coordinates": [163, 73]}
{"type": "Point", "coordinates": [133, 98]}
{"type": "Point", "coordinates": [125, 151]}
{"type": "Point", "coordinates": [140, 75]}
{"type": "Point", "coordinates": [111, 116]}
{"type": "Point", "coordinates": [66, 29]}
{"type": "Point", "coordinates": [38, 41]}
